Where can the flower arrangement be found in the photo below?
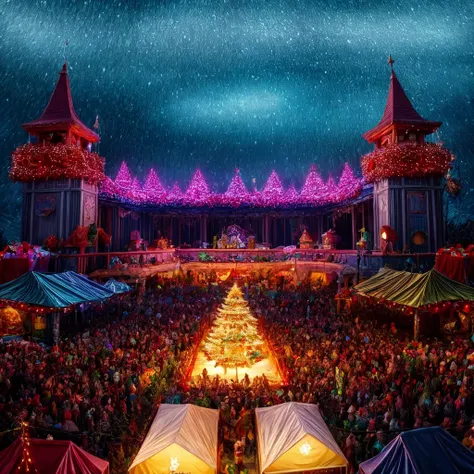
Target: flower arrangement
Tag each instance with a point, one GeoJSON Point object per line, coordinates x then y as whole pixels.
{"type": "Point", "coordinates": [104, 238]}
{"type": "Point", "coordinates": [52, 243]}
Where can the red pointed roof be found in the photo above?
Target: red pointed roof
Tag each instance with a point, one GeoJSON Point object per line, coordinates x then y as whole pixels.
{"type": "Point", "coordinates": [399, 111]}
{"type": "Point", "coordinates": [59, 112]}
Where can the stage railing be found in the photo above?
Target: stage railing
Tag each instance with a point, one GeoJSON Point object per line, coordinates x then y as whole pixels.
{"type": "Point", "coordinates": [370, 262]}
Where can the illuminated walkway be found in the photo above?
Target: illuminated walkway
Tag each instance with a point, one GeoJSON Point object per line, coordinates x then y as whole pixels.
{"type": "Point", "coordinates": [266, 366]}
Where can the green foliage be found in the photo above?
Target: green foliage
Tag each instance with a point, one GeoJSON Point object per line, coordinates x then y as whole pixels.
{"type": "Point", "coordinates": [205, 257]}
{"type": "Point", "coordinates": [92, 234]}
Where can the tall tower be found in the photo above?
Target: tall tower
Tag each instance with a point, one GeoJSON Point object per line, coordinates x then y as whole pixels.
{"type": "Point", "coordinates": [407, 174]}
{"type": "Point", "coordinates": [59, 172]}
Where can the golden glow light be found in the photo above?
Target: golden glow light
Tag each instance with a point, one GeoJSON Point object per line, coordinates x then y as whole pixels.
{"type": "Point", "coordinates": [384, 235]}
{"type": "Point", "coordinates": [174, 464]}
{"type": "Point", "coordinates": [305, 449]}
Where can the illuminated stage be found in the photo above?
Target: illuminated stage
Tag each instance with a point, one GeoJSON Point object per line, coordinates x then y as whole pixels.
{"type": "Point", "coordinates": [266, 366]}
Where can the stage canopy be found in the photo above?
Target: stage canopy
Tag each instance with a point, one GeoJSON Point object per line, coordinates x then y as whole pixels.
{"type": "Point", "coordinates": [51, 457]}
{"type": "Point", "coordinates": [423, 451]}
{"type": "Point", "coordinates": [183, 436]}
{"type": "Point", "coordinates": [53, 290]}
{"type": "Point", "coordinates": [117, 287]}
{"type": "Point", "coordinates": [293, 437]}
{"type": "Point", "coordinates": [414, 289]}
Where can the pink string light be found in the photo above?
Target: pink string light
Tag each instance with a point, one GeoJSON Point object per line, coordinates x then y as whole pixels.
{"type": "Point", "coordinates": [154, 190]}
{"type": "Point", "coordinates": [314, 192]}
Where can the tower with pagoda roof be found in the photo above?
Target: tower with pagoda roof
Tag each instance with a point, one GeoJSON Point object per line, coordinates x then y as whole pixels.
{"type": "Point", "coordinates": [59, 171]}
{"type": "Point", "coordinates": [407, 173]}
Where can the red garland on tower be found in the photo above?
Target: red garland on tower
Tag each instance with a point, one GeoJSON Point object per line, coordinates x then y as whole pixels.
{"type": "Point", "coordinates": [407, 160]}
{"type": "Point", "coordinates": [34, 162]}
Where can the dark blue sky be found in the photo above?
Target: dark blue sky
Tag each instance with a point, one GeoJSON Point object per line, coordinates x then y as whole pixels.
{"type": "Point", "coordinates": [218, 84]}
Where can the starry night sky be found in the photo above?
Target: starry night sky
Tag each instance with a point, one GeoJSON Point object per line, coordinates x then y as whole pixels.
{"type": "Point", "coordinates": [260, 85]}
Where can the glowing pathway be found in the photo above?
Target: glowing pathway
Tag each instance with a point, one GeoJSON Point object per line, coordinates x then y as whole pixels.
{"type": "Point", "coordinates": [266, 366]}
{"type": "Point", "coordinates": [234, 341]}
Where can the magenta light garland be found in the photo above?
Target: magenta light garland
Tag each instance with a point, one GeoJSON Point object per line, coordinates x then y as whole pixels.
{"type": "Point", "coordinates": [314, 188]}
{"type": "Point", "coordinates": [153, 188]}
{"type": "Point", "coordinates": [315, 191]}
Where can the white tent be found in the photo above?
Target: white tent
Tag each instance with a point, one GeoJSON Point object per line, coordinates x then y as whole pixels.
{"type": "Point", "coordinates": [293, 437]}
{"type": "Point", "coordinates": [181, 435]}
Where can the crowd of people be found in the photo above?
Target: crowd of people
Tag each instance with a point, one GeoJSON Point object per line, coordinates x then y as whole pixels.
{"type": "Point", "coordinates": [98, 381]}
{"type": "Point", "coordinates": [370, 380]}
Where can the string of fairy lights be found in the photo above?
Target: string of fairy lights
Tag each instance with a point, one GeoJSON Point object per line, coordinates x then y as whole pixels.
{"type": "Point", "coordinates": [47, 161]}
{"type": "Point", "coordinates": [315, 191]}
{"type": "Point", "coordinates": [408, 160]}
{"type": "Point", "coordinates": [26, 464]}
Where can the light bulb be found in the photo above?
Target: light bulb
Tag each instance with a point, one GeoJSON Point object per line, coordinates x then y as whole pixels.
{"type": "Point", "coordinates": [174, 464]}
{"type": "Point", "coordinates": [305, 449]}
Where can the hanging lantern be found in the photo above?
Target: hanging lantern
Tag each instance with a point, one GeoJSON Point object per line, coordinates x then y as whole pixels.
{"type": "Point", "coordinates": [419, 237]}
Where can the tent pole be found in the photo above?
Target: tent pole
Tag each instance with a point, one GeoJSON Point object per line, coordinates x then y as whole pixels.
{"type": "Point", "coordinates": [417, 326]}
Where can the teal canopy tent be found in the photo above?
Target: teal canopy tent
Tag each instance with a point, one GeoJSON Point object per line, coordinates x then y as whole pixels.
{"type": "Point", "coordinates": [117, 287]}
{"type": "Point", "coordinates": [53, 290]}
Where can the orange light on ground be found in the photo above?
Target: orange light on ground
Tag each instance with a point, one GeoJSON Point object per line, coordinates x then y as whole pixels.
{"type": "Point", "coordinates": [266, 366]}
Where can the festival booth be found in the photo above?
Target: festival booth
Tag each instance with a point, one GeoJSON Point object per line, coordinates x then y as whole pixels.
{"type": "Point", "coordinates": [43, 294]}
{"type": "Point", "coordinates": [20, 258]}
{"type": "Point", "coordinates": [422, 451]}
{"type": "Point", "coordinates": [456, 263]}
{"type": "Point", "coordinates": [182, 438]}
{"type": "Point", "coordinates": [417, 293]}
{"type": "Point", "coordinates": [293, 437]}
{"type": "Point", "coordinates": [49, 457]}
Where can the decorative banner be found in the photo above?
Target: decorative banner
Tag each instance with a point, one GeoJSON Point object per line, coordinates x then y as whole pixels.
{"type": "Point", "coordinates": [45, 205]}
{"type": "Point", "coordinates": [89, 210]}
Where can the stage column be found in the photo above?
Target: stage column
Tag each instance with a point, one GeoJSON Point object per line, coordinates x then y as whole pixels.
{"type": "Point", "coordinates": [203, 229]}
{"type": "Point", "coordinates": [354, 210]}
{"type": "Point", "coordinates": [267, 229]}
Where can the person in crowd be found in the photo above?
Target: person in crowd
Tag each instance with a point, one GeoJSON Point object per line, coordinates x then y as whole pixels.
{"type": "Point", "coordinates": [369, 380]}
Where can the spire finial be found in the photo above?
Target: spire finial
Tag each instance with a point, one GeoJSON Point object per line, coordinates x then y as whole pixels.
{"type": "Point", "coordinates": [390, 61]}
{"type": "Point", "coordinates": [66, 44]}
